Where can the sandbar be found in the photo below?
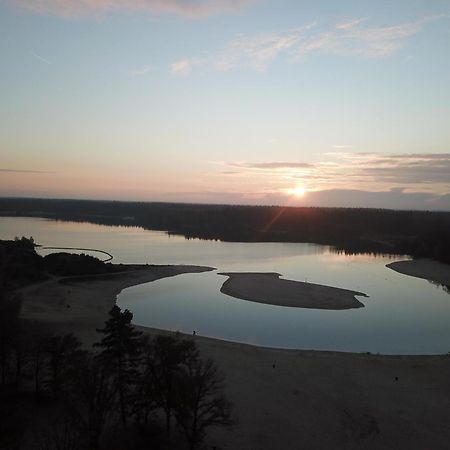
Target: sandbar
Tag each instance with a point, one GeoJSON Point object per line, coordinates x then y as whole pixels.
{"type": "Point", "coordinates": [268, 288]}
{"type": "Point", "coordinates": [424, 268]}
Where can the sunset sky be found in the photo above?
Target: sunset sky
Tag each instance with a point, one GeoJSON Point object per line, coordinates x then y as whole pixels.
{"type": "Point", "coordinates": [302, 102]}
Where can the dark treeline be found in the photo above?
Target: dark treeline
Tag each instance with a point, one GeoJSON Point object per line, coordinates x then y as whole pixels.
{"type": "Point", "coordinates": [128, 391]}
{"type": "Point", "coordinates": [418, 233]}
{"type": "Point", "coordinates": [131, 391]}
{"type": "Point", "coordinates": [21, 265]}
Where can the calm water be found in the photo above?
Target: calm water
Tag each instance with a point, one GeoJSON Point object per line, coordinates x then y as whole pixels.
{"type": "Point", "coordinates": [403, 315]}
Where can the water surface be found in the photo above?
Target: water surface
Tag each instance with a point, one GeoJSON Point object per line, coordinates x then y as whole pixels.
{"type": "Point", "coordinates": [403, 315]}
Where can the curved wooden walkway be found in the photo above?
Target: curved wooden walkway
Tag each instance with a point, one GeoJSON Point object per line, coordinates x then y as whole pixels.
{"type": "Point", "coordinates": [110, 257]}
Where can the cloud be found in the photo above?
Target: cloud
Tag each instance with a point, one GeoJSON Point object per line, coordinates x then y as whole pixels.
{"type": "Point", "coordinates": [272, 165]}
{"type": "Point", "coordinates": [351, 38]}
{"type": "Point", "coordinates": [342, 146]}
{"type": "Point", "coordinates": [348, 25]}
{"type": "Point", "coordinates": [23, 171]}
{"type": "Point", "coordinates": [183, 67]}
{"type": "Point", "coordinates": [408, 168]}
{"type": "Point", "coordinates": [138, 72]}
{"type": "Point", "coordinates": [256, 52]}
{"type": "Point", "coordinates": [367, 171]}
{"type": "Point", "coordinates": [86, 8]}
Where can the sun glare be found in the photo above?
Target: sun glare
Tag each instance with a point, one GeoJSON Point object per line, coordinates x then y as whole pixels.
{"type": "Point", "coordinates": [298, 191]}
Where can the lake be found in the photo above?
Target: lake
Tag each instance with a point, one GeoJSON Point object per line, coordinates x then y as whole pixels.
{"type": "Point", "coordinates": [403, 315]}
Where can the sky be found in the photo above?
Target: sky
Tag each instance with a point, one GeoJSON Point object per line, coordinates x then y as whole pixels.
{"type": "Point", "coordinates": [285, 102]}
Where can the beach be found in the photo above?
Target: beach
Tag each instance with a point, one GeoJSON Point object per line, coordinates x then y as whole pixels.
{"type": "Point", "coordinates": [282, 398]}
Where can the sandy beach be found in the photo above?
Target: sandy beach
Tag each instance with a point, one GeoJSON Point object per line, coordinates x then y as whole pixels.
{"type": "Point", "coordinates": [268, 288]}
{"type": "Point", "coordinates": [284, 399]}
{"type": "Point", "coordinates": [424, 268]}
{"type": "Point", "coordinates": [82, 303]}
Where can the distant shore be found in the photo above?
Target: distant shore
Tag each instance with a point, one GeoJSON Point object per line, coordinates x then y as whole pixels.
{"type": "Point", "coordinates": [425, 268]}
{"type": "Point", "coordinates": [268, 288]}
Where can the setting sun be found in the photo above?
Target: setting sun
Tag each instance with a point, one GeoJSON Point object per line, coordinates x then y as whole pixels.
{"type": "Point", "coordinates": [298, 191]}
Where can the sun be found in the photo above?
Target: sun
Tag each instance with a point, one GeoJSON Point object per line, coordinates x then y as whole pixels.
{"type": "Point", "coordinates": [298, 191]}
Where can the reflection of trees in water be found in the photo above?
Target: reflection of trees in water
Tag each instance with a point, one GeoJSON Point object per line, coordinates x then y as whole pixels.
{"type": "Point", "coordinates": [363, 230]}
{"type": "Point", "coordinates": [445, 287]}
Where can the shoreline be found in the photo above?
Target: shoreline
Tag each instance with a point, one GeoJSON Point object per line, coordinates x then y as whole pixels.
{"type": "Point", "coordinates": [81, 301]}
{"type": "Point", "coordinates": [424, 268]}
{"type": "Point", "coordinates": [323, 399]}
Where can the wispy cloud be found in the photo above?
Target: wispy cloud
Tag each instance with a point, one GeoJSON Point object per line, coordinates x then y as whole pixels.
{"type": "Point", "coordinates": [342, 146]}
{"type": "Point", "coordinates": [140, 71]}
{"type": "Point", "coordinates": [359, 170]}
{"type": "Point", "coordinates": [83, 8]}
{"type": "Point", "coordinates": [349, 24]}
{"type": "Point", "coordinates": [183, 67]}
{"type": "Point", "coordinates": [354, 37]}
{"type": "Point", "coordinates": [39, 57]}
{"type": "Point", "coordinates": [23, 171]}
{"type": "Point", "coordinates": [272, 165]}
{"type": "Point", "coordinates": [357, 38]}
{"type": "Point", "coordinates": [256, 52]}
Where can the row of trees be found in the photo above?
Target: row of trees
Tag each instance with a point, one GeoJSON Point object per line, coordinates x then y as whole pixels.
{"type": "Point", "coordinates": [419, 233]}
{"type": "Point", "coordinates": [115, 396]}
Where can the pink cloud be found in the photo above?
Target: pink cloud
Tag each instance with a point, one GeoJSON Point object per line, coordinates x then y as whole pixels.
{"type": "Point", "coordinates": [76, 8]}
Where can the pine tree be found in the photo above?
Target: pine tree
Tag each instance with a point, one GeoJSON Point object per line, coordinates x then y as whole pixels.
{"type": "Point", "coordinates": [121, 354]}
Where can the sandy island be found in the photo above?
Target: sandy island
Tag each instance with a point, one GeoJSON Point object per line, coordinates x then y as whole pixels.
{"type": "Point", "coordinates": [284, 399]}
{"type": "Point", "coordinates": [427, 269]}
{"type": "Point", "coordinates": [268, 288]}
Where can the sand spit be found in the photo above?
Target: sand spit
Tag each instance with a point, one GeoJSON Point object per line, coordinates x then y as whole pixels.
{"type": "Point", "coordinates": [427, 269]}
{"type": "Point", "coordinates": [268, 288]}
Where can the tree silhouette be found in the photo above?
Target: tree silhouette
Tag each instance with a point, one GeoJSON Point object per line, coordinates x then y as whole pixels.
{"type": "Point", "coordinates": [91, 399]}
{"type": "Point", "coordinates": [62, 352]}
{"type": "Point", "coordinates": [9, 330]}
{"type": "Point", "coordinates": [121, 355]}
{"type": "Point", "coordinates": [201, 401]}
{"type": "Point", "coordinates": [170, 355]}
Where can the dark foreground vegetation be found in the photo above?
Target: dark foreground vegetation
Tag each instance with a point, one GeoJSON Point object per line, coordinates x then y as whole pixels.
{"type": "Point", "coordinates": [130, 392]}
{"type": "Point", "coordinates": [20, 265]}
{"type": "Point", "coordinates": [417, 233]}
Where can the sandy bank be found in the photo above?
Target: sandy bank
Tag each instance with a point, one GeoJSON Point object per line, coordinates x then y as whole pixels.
{"type": "Point", "coordinates": [284, 399]}
{"type": "Point", "coordinates": [427, 269]}
{"type": "Point", "coordinates": [268, 288]}
{"type": "Point", "coordinates": [84, 301]}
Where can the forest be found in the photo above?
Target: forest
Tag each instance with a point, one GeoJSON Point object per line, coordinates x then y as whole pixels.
{"type": "Point", "coordinates": [352, 230]}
